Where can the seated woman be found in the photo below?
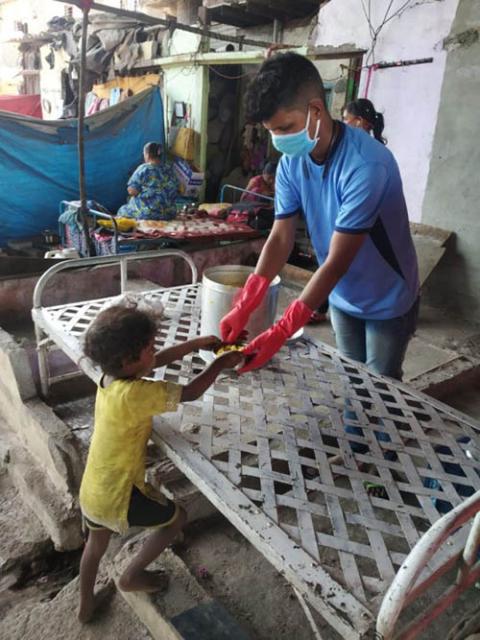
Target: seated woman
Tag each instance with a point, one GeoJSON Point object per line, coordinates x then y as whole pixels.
{"type": "Point", "coordinates": [263, 185]}
{"type": "Point", "coordinates": [153, 187]}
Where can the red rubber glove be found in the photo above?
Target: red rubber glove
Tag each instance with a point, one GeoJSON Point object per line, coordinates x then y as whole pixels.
{"type": "Point", "coordinates": [247, 300]}
{"type": "Point", "coordinates": [266, 345]}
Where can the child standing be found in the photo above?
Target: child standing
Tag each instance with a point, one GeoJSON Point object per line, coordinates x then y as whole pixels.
{"type": "Point", "coordinates": [113, 493]}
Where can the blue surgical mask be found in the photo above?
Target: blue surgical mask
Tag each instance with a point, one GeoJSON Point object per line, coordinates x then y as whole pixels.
{"type": "Point", "coordinates": [296, 144]}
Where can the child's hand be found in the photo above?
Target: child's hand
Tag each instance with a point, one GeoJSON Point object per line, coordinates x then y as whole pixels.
{"type": "Point", "coordinates": [231, 359]}
{"type": "Point", "coordinates": [209, 343]}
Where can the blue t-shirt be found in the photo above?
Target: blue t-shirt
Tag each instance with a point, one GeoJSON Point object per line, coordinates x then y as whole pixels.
{"type": "Point", "coordinates": [358, 190]}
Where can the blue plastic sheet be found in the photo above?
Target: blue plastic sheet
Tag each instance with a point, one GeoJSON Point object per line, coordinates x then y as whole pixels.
{"type": "Point", "coordinates": [39, 162]}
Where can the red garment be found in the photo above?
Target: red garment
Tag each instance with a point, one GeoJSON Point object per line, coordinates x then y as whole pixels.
{"type": "Point", "coordinates": [25, 105]}
{"type": "Point", "coordinates": [257, 185]}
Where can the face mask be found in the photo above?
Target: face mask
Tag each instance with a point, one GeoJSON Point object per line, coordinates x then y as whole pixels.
{"type": "Point", "coordinates": [298, 143]}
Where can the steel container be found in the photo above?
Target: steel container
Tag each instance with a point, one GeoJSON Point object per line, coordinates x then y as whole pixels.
{"type": "Point", "coordinates": [220, 286]}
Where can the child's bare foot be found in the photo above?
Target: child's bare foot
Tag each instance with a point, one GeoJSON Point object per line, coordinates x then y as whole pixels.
{"type": "Point", "coordinates": [149, 581]}
{"type": "Point", "coordinates": [88, 608]}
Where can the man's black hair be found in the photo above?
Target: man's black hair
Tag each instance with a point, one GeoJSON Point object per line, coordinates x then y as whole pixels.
{"type": "Point", "coordinates": [282, 82]}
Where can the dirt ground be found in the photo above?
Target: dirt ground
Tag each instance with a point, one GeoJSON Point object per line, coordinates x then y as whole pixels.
{"type": "Point", "coordinates": [264, 604]}
{"type": "Point", "coordinates": [43, 604]}
{"type": "Point", "coordinates": [56, 620]}
{"type": "Point", "coordinates": [244, 582]}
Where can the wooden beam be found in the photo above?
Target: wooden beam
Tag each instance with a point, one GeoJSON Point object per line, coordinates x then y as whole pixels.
{"type": "Point", "coordinates": [224, 57]}
{"type": "Point", "coordinates": [333, 53]}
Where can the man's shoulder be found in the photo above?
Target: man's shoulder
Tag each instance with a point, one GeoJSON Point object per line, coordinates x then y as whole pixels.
{"type": "Point", "coordinates": [361, 148]}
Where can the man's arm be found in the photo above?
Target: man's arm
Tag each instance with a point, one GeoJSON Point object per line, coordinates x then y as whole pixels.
{"type": "Point", "coordinates": [342, 251]}
{"type": "Point", "coordinates": [278, 247]}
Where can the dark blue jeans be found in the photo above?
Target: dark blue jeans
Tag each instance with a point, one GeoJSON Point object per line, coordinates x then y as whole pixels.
{"type": "Point", "coordinates": [380, 344]}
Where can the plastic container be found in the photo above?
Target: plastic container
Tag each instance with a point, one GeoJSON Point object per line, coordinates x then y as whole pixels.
{"type": "Point", "coordinates": [219, 288]}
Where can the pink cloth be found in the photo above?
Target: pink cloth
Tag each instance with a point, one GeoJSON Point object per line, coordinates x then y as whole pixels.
{"type": "Point", "coordinates": [25, 105]}
{"type": "Point", "coordinates": [257, 185]}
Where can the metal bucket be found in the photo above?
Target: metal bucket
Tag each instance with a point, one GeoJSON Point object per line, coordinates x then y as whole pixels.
{"type": "Point", "coordinates": [219, 288]}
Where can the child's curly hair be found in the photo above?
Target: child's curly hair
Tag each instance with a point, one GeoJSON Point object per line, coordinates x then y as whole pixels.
{"type": "Point", "coordinates": [117, 336]}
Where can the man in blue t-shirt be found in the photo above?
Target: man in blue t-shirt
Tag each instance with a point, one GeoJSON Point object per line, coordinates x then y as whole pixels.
{"type": "Point", "coordinates": [348, 188]}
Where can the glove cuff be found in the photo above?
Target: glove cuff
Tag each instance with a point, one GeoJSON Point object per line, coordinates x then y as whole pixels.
{"type": "Point", "coordinates": [296, 316]}
{"type": "Point", "coordinates": [253, 292]}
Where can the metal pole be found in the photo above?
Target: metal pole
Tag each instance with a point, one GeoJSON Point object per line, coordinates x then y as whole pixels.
{"type": "Point", "coordinates": [80, 133]}
{"type": "Point", "coordinates": [276, 30]}
{"type": "Point", "coordinates": [123, 274]}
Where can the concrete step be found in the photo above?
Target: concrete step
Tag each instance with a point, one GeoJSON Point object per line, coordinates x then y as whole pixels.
{"type": "Point", "coordinates": [58, 514]}
{"type": "Point", "coordinates": [185, 611]}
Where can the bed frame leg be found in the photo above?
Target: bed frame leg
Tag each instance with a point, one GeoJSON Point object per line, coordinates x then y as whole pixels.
{"type": "Point", "coordinates": [42, 351]}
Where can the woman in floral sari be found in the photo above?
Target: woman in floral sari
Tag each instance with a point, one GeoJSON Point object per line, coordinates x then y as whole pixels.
{"type": "Point", "coordinates": [153, 187]}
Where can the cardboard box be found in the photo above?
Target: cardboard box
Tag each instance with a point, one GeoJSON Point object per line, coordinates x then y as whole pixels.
{"type": "Point", "coordinates": [190, 180]}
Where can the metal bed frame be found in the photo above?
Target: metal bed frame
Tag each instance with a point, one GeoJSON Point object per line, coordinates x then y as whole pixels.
{"type": "Point", "coordinates": [54, 325]}
{"type": "Point", "coordinates": [260, 196]}
{"type": "Point", "coordinates": [406, 587]}
{"type": "Point", "coordinates": [117, 240]}
{"type": "Point", "coordinates": [258, 446]}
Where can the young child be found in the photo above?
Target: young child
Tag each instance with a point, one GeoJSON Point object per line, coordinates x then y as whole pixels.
{"type": "Point", "coordinates": [113, 493]}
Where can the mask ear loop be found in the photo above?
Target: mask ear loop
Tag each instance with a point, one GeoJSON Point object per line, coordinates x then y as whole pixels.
{"type": "Point", "coordinates": [315, 136]}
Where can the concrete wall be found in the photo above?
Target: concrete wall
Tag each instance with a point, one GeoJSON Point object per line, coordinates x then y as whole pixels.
{"type": "Point", "coordinates": [188, 84]}
{"type": "Point", "coordinates": [453, 190]}
{"type": "Point", "coordinates": [45, 463]}
{"type": "Point", "coordinates": [36, 13]}
{"type": "Point", "coordinates": [407, 96]}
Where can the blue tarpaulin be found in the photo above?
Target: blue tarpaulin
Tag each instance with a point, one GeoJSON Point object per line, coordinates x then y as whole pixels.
{"type": "Point", "coordinates": [39, 161]}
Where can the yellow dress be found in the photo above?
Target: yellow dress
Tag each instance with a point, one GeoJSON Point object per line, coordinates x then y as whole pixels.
{"type": "Point", "coordinates": [116, 458]}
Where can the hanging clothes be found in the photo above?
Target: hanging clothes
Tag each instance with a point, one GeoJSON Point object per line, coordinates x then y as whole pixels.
{"type": "Point", "coordinates": [115, 96]}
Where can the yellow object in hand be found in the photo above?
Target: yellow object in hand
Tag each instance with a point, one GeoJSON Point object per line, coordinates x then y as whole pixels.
{"type": "Point", "coordinates": [225, 348]}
